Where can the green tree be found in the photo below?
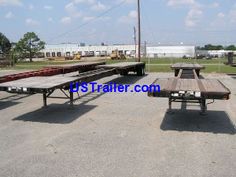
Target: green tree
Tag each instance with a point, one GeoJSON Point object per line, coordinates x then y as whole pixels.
{"type": "Point", "coordinates": [219, 47]}
{"type": "Point", "coordinates": [5, 45]}
{"type": "Point", "coordinates": [231, 47]}
{"type": "Point", "coordinates": [213, 47]}
{"type": "Point", "coordinates": [29, 45]}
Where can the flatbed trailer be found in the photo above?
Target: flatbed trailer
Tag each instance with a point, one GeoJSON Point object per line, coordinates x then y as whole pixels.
{"type": "Point", "coordinates": [47, 85]}
{"type": "Point", "coordinates": [187, 67]}
{"type": "Point", "coordinates": [188, 88]}
{"type": "Point", "coordinates": [80, 67]}
{"type": "Point", "coordinates": [124, 68]}
{"type": "Point", "coordinates": [53, 70]}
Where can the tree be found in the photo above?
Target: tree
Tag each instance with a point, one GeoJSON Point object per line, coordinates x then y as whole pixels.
{"type": "Point", "coordinates": [29, 45]}
{"type": "Point", "coordinates": [231, 47]}
{"type": "Point", "coordinates": [5, 45]}
{"type": "Point", "coordinates": [219, 47]}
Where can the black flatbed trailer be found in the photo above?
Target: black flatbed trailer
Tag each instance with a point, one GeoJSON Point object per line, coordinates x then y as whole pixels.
{"type": "Point", "coordinates": [124, 68]}
{"type": "Point", "coordinates": [47, 85]}
{"type": "Point", "coordinates": [189, 88]}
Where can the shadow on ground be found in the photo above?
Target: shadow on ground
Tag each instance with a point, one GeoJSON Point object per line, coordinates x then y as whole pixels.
{"type": "Point", "coordinates": [214, 122]}
{"type": "Point", "coordinates": [5, 105]}
{"type": "Point", "coordinates": [64, 114]}
{"type": "Point", "coordinates": [14, 97]}
{"type": "Point", "coordinates": [56, 114]}
{"type": "Point", "coordinates": [234, 77]}
{"type": "Point", "coordinates": [11, 100]}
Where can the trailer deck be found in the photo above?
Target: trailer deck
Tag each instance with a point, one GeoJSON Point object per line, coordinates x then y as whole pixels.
{"type": "Point", "coordinates": [187, 87]}
{"type": "Point", "coordinates": [124, 68]}
{"type": "Point", "coordinates": [81, 66]}
{"type": "Point", "coordinates": [187, 67]}
{"type": "Point", "coordinates": [47, 85]}
{"type": "Point", "coordinates": [53, 70]}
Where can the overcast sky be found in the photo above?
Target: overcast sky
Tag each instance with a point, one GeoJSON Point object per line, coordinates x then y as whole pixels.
{"type": "Point", "coordinates": [163, 21]}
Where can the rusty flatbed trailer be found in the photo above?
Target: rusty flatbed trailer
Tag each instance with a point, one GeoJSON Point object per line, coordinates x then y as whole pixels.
{"type": "Point", "coordinates": [189, 88]}
{"type": "Point", "coordinates": [53, 70]}
{"type": "Point", "coordinates": [124, 68]}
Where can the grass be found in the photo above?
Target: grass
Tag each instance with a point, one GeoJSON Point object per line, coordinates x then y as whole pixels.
{"type": "Point", "coordinates": [153, 65]}
{"type": "Point", "coordinates": [37, 64]}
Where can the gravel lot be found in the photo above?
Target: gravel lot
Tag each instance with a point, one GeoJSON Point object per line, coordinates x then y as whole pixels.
{"type": "Point", "coordinates": [117, 135]}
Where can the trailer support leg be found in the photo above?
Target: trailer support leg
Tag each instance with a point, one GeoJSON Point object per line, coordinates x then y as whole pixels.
{"type": "Point", "coordinates": [170, 106]}
{"type": "Point", "coordinates": [71, 99]}
{"type": "Point", "coordinates": [203, 106]}
{"type": "Point", "coordinates": [45, 100]}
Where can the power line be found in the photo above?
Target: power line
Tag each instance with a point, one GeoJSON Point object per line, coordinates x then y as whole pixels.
{"type": "Point", "coordinates": [92, 20]}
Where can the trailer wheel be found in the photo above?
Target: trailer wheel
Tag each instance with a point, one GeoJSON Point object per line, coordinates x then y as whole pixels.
{"type": "Point", "coordinates": [140, 71]}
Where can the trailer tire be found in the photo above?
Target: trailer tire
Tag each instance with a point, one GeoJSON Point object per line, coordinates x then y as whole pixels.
{"type": "Point", "coordinates": [140, 71]}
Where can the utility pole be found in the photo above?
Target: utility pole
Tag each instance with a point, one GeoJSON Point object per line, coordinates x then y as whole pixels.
{"type": "Point", "coordinates": [135, 41]}
{"type": "Point", "coordinates": [145, 49]}
{"type": "Point", "coordinates": [139, 32]}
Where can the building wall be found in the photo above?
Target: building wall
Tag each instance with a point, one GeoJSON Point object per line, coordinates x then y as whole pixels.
{"type": "Point", "coordinates": [70, 49]}
{"type": "Point", "coordinates": [129, 50]}
{"type": "Point", "coordinates": [214, 53]}
{"type": "Point", "coordinates": [171, 51]}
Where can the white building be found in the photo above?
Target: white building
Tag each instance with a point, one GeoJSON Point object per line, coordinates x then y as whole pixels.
{"type": "Point", "coordinates": [214, 53]}
{"type": "Point", "coordinates": [171, 51]}
{"type": "Point", "coordinates": [59, 50]}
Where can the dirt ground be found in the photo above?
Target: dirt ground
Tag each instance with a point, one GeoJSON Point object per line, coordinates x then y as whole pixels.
{"type": "Point", "coordinates": [117, 135]}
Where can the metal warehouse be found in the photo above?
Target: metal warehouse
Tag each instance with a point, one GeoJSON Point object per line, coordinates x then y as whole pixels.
{"type": "Point", "coordinates": [61, 50]}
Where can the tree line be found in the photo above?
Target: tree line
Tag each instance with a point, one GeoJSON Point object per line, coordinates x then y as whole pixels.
{"type": "Point", "coordinates": [27, 47]}
{"type": "Point", "coordinates": [217, 47]}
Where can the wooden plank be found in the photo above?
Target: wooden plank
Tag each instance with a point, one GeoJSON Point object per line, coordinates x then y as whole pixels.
{"type": "Point", "coordinates": [214, 86]}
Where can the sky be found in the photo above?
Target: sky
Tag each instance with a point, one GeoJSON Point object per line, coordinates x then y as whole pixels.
{"type": "Point", "coordinates": [164, 22]}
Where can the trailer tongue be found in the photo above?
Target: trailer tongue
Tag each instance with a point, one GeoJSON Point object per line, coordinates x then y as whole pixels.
{"type": "Point", "coordinates": [187, 87]}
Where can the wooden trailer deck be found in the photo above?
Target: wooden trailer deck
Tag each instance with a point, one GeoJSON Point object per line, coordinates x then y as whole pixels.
{"type": "Point", "coordinates": [207, 88]}
{"type": "Point", "coordinates": [187, 66]}
{"type": "Point", "coordinates": [187, 87]}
